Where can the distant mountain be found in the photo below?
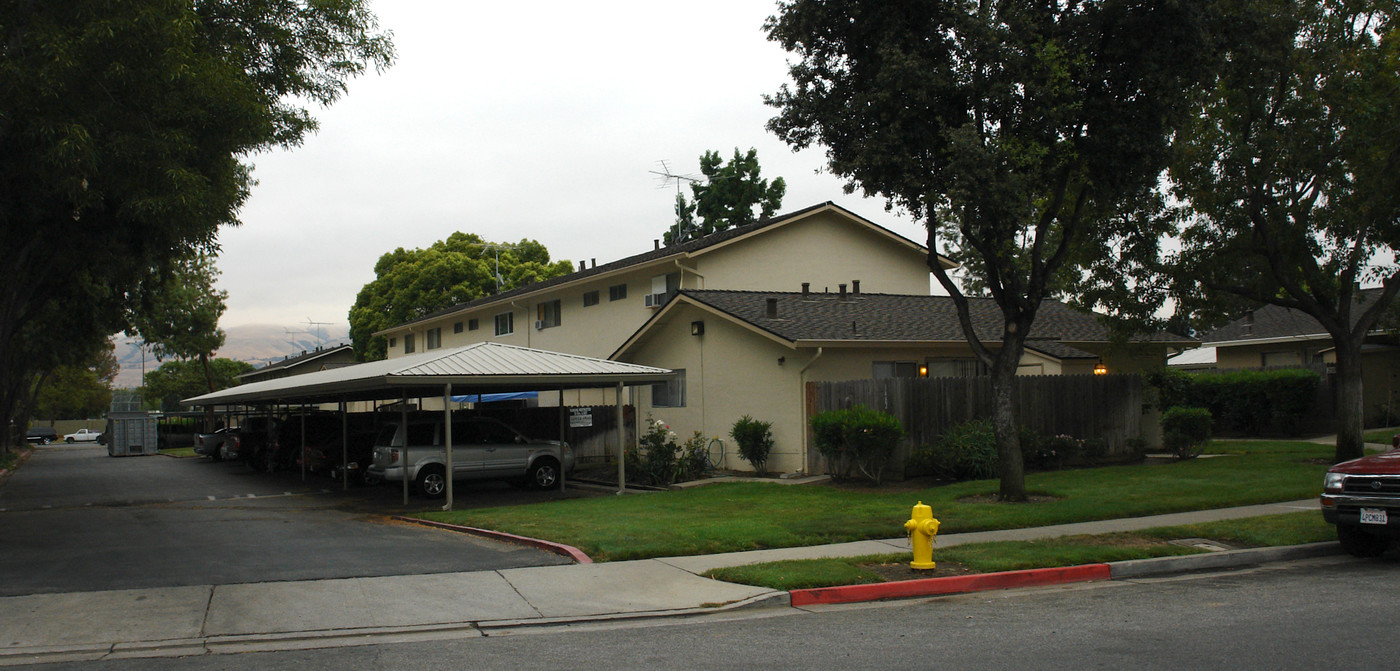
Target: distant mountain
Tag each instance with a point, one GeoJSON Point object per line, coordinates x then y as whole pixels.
{"type": "Point", "coordinates": [257, 344]}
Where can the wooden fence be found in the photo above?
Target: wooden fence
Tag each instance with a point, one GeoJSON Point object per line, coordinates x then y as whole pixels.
{"type": "Point", "coordinates": [1109, 407]}
{"type": "Point", "coordinates": [591, 444]}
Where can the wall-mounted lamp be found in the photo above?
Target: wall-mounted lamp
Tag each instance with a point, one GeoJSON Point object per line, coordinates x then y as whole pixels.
{"type": "Point", "coordinates": [1100, 369]}
{"type": "Point", "coordinates": [923, 370]}
{"type": "Point", "coordinates": [697, 328]}
{"type": "Point", "coordinates": [782, 360]}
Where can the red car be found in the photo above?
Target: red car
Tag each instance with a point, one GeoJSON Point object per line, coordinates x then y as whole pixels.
{"type": "Point", "coordinates": [1362, 497]}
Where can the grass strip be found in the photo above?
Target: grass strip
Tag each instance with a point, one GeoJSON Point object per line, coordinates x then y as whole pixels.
{"type": "Point", "coordinates": [1267, 531]}
{"type": "Point", "coordinates": [1381, 437]}
{"type": "Point", "coordinates": [181, 452]}
{"type": "Point", "coordinates": [751, 516]}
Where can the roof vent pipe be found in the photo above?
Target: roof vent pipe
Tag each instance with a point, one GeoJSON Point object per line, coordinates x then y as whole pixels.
{"type": "Point", "coordinates": [843, 291]}
{"type": "Point", "coordinates": [582, 266]}
{"type": "Point", "coordinates": [855, 287]}
{"type": "Point", "coordinates": [655, 243]}
{"type": "Point", "coordinates": [772, 308]}
{"type": "Point", "coordinates": [806, 289]}
{"type": "Point", "coordinates": [593, 262]}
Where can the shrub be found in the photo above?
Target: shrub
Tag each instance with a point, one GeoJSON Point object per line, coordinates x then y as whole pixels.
{"type": "Point", "coordinates": [1245, 401]}
{"type": "Point", "coordinates": [1051, 453]}
{"type": "Point", "coordinates": [968, 451]}
{"type": "Point", "coordinates": [755, 441]}
{"type": "Point", "coordinates": [857, 440]}
{"type": "Point", "coordinates": [1185, 431]}
{"type": "Point", "coordinates": [1095, 449]}
{"type": "Point", "coordinates": [660, 461]}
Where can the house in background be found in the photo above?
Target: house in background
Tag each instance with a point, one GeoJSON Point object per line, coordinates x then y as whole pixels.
{"type": "Point", "coordinates": [1279, 337]}
{"type": "Point", "coordinates": [745, 316]}
{"type": "Point", "coordinates": [752, 352]}
{"type": "Point", "coordinates": [321, 358]}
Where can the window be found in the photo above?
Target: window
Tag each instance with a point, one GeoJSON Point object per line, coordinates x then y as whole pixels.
{"type": "Point", "coordinates": [956, 368]}
{"type": "Point", "coordinates": [457, 327]}
{"type": "Point", "coordinates": [547, 314]}
{"type": "Point", "coordinates": [433, 339]}
{"type": "Point", "coordinates": [393, 342]}
{"type": "Point", "coordinates": [590, 298]}
{"type": "Point", "coordinates": [617, 292]}
{"type": "Point", "coordinates": [473, 325]}
{"type": "Point", "coordinates": [505, 323]}
{"type": "Point", "coordinates": [884, 369]}
{"type": "Point", "coordinates": [408, 345]}
{"type": "Point", "coordinates": [670, 394]}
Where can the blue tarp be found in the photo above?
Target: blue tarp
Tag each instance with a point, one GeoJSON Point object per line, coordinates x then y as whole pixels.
{"type": "Point", "coordinates": [487, 398]}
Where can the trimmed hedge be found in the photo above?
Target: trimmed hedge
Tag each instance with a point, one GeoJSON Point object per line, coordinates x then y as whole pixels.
{"type": "Point", "coordinates": [857, 439]}
{"type": "Point", "coordinates": [1248, 402]}
{"type": "Point", "coordinates": [1185, 431]}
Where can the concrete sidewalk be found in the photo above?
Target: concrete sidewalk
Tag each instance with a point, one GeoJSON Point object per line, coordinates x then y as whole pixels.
{"type": "Point", "coordinates": [327, 613]}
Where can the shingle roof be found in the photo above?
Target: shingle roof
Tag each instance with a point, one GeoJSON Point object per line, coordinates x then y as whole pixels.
{"type": "Point", "coordinates": [890, 317]}
{"type": "Point", "coordinates": [688, 247]}
{"type": "Point", "coordinates": [1272, 321]}
{"type": "Point", "coordinates": [297, 360]}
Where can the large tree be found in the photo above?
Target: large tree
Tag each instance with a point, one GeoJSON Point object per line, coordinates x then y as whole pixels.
{"type": "Point", "coordinates": [180, 314]}
{"type": "Point", "coordinates": [727, 197]}
{"type": "Point", "coordinates": [1028, 136]}
{"type": "Point", "coordinates": [80, 391]}
{"type": "Point", "coordinates": [175, 380]}
{"type": "Point", "coordinates": [413, 283]}
{"type": "Point", "coordinates": [1290, 173]}
{"type": "Point", "coordinates": [124, 131]}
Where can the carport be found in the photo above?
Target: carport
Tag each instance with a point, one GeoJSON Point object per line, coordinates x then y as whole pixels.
{"type": "Point", "coordinates": [473, 369]}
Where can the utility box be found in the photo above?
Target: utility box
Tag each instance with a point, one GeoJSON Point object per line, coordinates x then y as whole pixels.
{"type": "Point", "coordinates": [130, 430]}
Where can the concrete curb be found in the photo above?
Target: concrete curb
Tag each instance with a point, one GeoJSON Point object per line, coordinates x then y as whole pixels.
{"type": "Point", "coordinates": [1123, 570]}
{"type": "Point", "coordinates": [549, 546]}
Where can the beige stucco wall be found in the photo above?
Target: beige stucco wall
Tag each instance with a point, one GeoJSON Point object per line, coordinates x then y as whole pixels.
{"type": "Point", "coordinates": [730, 372]}
{"type": "Point", "coordinates": [825, 250]}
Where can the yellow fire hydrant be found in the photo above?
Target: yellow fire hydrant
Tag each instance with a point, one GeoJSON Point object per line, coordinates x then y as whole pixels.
{"type": "Point", "coordinates": [922, 527]}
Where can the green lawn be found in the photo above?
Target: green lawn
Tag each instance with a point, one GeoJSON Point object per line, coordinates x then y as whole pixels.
{"type": "Point", "coordinates": [181, 452]}
{"type": "Point", "coordinates": [749, 516]}
{"type": "Point", "coordinates": [1267, 531]}
{"type": "Point", "coordinates": [1382, 436]}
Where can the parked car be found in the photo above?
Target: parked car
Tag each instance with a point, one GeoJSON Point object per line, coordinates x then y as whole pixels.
{"type": "Point", "coordinates": [253, 443]}
{"type": "Point", "coordinates": [40, 434]}
{"type": "Point", "coordinates": [84, 436]}
{"type": "Point", "coordinates": [482, 449]}
{"type": "Point", "coordinates": [1362, 497]}
{"type": "Point", "coordinates": [212, 444]}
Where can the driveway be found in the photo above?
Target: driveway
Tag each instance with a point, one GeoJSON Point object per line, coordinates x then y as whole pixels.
{"type": "Point", "coordinates": [74, 519]}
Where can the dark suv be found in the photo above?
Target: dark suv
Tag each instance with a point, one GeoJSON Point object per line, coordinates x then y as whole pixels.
{"type": "Point", "coordinates": [41, 434]}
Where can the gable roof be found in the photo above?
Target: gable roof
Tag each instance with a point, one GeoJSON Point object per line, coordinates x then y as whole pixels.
{"type": "Point", "coordinates": [883, 318]}
{"type": "Point", "coordinates": [298, 360]}
{"type": "Point", "coordinates": [1272, 322]}
{"type": "Point", "coordinates": [689, 248]}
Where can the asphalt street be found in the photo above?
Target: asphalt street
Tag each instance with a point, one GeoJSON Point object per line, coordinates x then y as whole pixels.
{"type": "Point", "coordinates": [74, 519]}
{"type": "Point", "coordinates": [1333, 612]}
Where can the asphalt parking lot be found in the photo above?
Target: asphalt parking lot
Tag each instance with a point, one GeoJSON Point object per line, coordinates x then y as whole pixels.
{"type": "Point", "coordinates": [74, 519]}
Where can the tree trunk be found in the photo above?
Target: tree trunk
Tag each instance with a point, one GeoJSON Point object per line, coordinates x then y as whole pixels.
{"type": "Point", "coordinates": [1006, 421]}
{"type": "Point", "coordinates": [1350, 409]}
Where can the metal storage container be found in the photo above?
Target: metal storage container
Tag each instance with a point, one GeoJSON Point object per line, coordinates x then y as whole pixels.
{"type": "Point", "coordinates": [130, 430]}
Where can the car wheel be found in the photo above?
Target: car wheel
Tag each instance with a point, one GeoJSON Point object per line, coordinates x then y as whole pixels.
{"type": "Point", "coordinates": [46, 440]}
{"type": "Point", "coordinates": [1360, 543]}
{"type": "Point", "coordinates": [432, 481]}
{"type": "Point", "coordinates": [543, 474]}
{"type": "Point", "coordinates": [68, 440]}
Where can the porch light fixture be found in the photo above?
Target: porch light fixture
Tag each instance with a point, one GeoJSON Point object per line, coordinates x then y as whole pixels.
{"type": "Point", "coordinates": [697, 328]}
{"type": "Point", "coordinates": [1100, 369]}
{"type": "Point", "coordinates": [923, 370]}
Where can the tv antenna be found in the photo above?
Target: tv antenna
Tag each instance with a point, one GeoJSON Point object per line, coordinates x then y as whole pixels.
{"type": "Point", "coordinates": [496, 247]}
{"type": "Point", "coordinates": [667, 177]}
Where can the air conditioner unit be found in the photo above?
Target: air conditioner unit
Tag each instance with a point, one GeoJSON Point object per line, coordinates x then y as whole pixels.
{"type": "Point", "coordinates": [655, 300]}
{"type": "Point", "coordinates": [539, 325]}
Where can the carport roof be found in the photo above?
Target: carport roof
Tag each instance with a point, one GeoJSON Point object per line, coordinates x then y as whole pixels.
{"type": "Point", "coordinates": [492, 367]}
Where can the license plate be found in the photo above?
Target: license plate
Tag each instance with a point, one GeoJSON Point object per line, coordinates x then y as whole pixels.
{"type": "Point", "coordinates": [1373, 516]}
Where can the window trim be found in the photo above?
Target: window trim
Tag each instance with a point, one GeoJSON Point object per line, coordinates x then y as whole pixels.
{"type": "Point", "coordinates": [509, 318]}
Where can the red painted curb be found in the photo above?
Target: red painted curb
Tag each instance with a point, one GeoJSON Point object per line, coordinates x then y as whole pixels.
{"type": "Point", "coordinates": [557, 548]}
{"type": "Point", "coordinates": [950, 585]}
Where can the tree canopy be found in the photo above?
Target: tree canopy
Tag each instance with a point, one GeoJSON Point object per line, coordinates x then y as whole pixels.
{"type": "Point", "coordinates": [81, 391]}
{"type": "Point", "coordinates": [124, 130]}
{"type": "Point", "coordinates": [180, 315]}
{"type": "Point", "coordinates": [726, 198]}
{"type": "Point", "coordinates": [1290, 176]}
{"type": "Point", "coordinates": [414, 283]}
{"type": "Point", "coordinates": [1027, 136]}
{"type": "Point", "coordinates": [165, 386]}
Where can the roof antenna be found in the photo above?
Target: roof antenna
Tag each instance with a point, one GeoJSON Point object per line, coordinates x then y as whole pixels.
{"type": "Point", "coordinates": [683, 232]}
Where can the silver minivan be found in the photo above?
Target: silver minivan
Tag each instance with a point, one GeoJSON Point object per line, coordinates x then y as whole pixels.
{"type": "Point", "coordinates": [482, 449]}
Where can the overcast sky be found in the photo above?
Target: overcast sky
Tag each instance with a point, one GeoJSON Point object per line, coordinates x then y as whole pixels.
{"type": "Point", "coordinates": [534, 120]}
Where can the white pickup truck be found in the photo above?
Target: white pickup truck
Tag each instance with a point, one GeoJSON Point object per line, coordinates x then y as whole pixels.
{"type": "Point", "coordinates": [84, 435]}
{"type": "Point", "coordinates": [482, 449]}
